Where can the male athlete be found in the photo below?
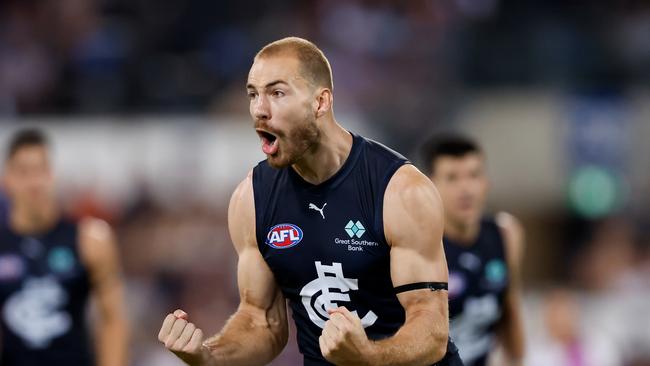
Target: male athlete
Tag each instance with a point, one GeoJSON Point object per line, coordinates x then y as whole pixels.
{"type": "Point", "coordinates": [483, 254]}
{"type": "Point", "coordinates": [49, 267]}
{"type": "Point", "coordinates": [342, 227]}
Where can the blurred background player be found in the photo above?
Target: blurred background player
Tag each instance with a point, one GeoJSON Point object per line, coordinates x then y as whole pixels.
{"type": "Point", "coordinates": [50, 267]}
{"type": "Point", "coordinates": [483, 254]}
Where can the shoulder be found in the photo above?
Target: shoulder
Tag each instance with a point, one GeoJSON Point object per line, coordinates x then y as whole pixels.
{"type": "Point", "coordinates": [96, 240]}
{"type": "Point", "coordinates": [411, 204]}
{"type": "Point", "coordinates": [513, 234]}
{"type": "Point", "coordinates": [243, 192]}
{"type": "Point", "coordinates": [409, 185]}
{"type": "Point", "coordinates": [95, 230]}
{"type": "Point", "coordinates": [241, 213]}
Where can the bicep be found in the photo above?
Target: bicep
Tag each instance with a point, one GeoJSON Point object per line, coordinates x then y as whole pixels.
{"type": "Point", "coordinates": [256, 283]}
{"type": "Point", "coordinates": [258, 289]}
{"type": "Point", "coordinates": [413, 225]}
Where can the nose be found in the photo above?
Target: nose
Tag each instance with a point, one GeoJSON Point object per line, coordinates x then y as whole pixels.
{"type": "Point", "coordinates": [260, 108]}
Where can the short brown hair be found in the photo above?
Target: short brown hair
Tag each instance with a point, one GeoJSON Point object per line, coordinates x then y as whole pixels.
{"type": "Point", "coordinates": [313, 62]}
{"type": "Point", "coordinates": [26, 138]}
{"type": "Point", "coordinates": [453, 145]}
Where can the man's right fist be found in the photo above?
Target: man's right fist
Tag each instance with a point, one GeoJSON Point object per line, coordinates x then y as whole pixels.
{"type": "Point", "coordinates": [183, 338]}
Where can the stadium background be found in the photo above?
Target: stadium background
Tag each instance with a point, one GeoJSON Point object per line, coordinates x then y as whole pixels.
{"type": "Point", "coordinates": [146, 106]}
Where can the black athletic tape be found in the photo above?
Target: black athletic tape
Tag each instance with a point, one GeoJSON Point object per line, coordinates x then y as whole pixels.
{"type": "Point", "coordinates": [433, 286]}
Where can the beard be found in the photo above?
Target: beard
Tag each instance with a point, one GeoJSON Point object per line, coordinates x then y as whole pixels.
{"type": "Point", "coordinates": [294, 144]}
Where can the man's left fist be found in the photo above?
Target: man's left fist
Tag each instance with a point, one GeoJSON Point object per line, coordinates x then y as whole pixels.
{"type": "Point", "coordinates": [344, 341]}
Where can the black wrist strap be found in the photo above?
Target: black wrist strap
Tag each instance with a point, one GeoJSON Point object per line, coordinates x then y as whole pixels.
{"type": "Point", "coordinates": [433, 286]}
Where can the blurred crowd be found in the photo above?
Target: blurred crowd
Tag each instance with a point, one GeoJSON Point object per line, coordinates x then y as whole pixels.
{"type": "Point", "coordinates": [403, 66]}
{"type": "Point", "coordinates": [408, 61]}
{"type": "Point", "coordinates": [596, 313]}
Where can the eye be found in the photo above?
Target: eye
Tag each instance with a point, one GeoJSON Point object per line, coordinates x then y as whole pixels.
{"type": "Point", "coordinates": [278, 93]}
{"type": "Point", "coordinates": [251, 95]}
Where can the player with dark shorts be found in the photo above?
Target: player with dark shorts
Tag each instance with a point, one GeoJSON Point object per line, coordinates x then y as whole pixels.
{"type": "Point", "coordinates": [343, 228]}
{"type": "Point", "coordinates": [49, 268]}
{"type": "Point", "coordinates": [483, 254]}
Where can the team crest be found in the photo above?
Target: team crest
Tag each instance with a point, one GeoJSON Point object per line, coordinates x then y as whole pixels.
{"type": "Point", "coordinates": [284, 236]}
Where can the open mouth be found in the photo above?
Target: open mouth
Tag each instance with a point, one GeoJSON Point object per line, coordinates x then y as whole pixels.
{"type": "Point", "coordinates": [269, 142]}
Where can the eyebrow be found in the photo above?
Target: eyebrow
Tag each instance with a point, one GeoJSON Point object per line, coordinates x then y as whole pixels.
{"type": "Point", "coordinates": [268, 85]}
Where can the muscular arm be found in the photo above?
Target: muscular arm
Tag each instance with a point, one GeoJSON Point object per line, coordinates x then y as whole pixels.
{"type": "Point", "coordinates": [258, 331]}
{"type": "Point", "coordinates": [510, 329]}
{"type": "Point", "coordinates": [99, 253]}
{"type": "Point", "coordinates": [413, 224]}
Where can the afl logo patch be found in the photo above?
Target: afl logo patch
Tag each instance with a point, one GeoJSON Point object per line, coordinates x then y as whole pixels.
{"type": "Point", "coordinates": [284, 236]}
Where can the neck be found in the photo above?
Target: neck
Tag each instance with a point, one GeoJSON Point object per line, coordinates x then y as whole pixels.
{"type": "Point", "coordinates": [324, 159]}
{"type": "Point", "coordinates": [464, 233]}
{"type": "Point", "coordinates": [25, 220]}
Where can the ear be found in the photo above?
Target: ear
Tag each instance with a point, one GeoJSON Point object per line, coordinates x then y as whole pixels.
{"type": "Point", "coordinates": [323, 102]}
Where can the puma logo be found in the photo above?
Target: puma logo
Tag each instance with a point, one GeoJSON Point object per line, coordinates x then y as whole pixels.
{"type": "Point", "coordinates": [314, 207]}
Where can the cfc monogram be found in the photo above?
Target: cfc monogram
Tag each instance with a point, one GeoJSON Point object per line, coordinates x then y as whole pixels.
{"type": "Point", "coordinates": [317, 297]}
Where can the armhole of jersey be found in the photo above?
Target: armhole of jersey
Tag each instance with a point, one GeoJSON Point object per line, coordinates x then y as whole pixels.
{"type": "Point", "coordinates": [379, 214]}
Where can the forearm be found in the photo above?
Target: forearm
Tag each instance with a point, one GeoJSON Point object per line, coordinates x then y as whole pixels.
{"type": "Point", "coordinates": [247, 340]}
{"type": "Point", "coordinates": [421, 341]}
{"type": "Point", "coordinates": [511, 332]}
{"type": "Point", "coordinates": [111, 343]}
{"type": "Point", "coordinates": [511, 338]}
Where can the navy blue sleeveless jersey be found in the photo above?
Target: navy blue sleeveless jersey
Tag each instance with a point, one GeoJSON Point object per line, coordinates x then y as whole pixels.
{"type": "Point", "coordinates": [478, 279]}
{"type": "Point", "coordinates": [43, 294]}
{"type": "Point", "coordinates": [325, 243]}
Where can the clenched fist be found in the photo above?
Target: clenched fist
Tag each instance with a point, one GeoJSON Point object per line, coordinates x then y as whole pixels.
{"type": "Point", "coordinates": [344, 341]}
{"type": "Point", "coordinates": [183, 338]}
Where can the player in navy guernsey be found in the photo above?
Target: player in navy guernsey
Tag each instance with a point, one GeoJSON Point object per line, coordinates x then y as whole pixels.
{"type": "Point", "coordinates": [483, 254]}
{"type": "Point", "coordinates": [49, 267]}
{"type": "Point", "coordinates": [342, 228]}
